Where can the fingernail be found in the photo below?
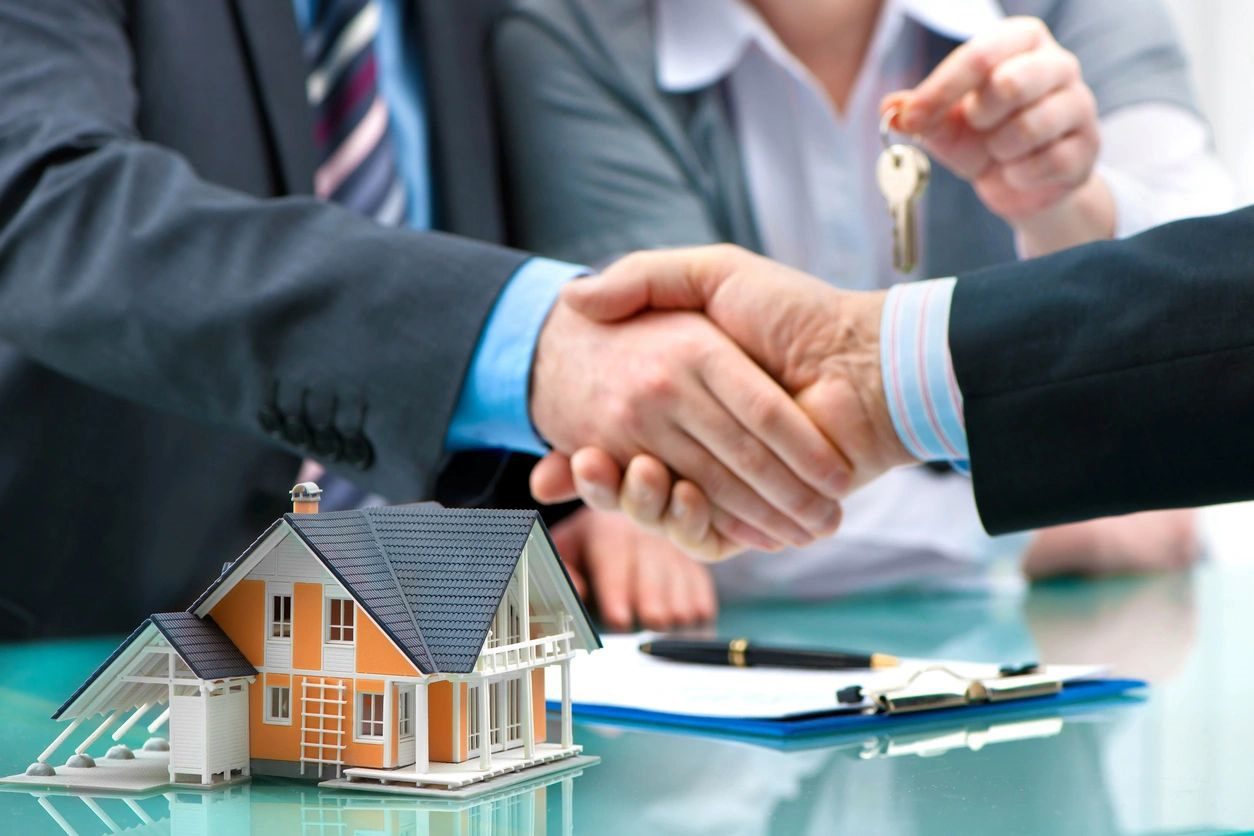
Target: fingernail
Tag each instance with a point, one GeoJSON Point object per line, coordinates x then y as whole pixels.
{"type": "Point", "coordinates": [831, 520]}
{"type": "Point", "coordinates": [597, 496]}
{"type": "Point", "coordinates": [838, 482]}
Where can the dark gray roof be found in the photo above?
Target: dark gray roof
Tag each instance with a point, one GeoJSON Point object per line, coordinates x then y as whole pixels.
{"type": "Point", "coordinates": [200, 642]}
{"type": "Point", "coordinates": [202, 645]}
{"type": "Point", "coordinates": [117, 651]}
{"type": "Point", "coordinates": [431, 577]}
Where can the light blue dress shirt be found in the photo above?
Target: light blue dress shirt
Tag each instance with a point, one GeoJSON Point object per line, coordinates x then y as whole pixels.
{"type": "Point", "coordinates": [923, 396]}
{"type": "Point", "coordinates": [493, 409]}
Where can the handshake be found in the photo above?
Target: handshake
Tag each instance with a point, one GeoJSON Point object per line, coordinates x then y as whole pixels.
{"type": "Point", "coordinates": [713, 395]}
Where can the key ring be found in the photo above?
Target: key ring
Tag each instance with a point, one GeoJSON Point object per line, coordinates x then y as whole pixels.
{"type": "Point", "coordinates": [886, 126]}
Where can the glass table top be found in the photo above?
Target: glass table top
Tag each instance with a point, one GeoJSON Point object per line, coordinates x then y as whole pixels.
{"type": "Point", "coordinates": [1176, 759]}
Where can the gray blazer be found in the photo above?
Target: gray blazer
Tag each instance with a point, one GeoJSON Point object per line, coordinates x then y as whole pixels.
{"type": "Point", "coordinates": [601, 162]}
{"type": "Point", "coordinates": [179, 322]}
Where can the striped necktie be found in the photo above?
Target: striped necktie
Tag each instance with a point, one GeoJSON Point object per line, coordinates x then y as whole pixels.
{"type": "Point", "coordinates": [357, 162]}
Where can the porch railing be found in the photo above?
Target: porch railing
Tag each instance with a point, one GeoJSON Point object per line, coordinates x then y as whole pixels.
{"type": "Point", "coordinates": [526, 654]}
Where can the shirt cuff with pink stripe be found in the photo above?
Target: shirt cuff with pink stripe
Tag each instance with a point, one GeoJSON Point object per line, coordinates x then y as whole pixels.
{"type": "Point", "coordinates": [919, 383]}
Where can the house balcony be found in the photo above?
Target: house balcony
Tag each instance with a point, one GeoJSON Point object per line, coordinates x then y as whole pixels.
{"type": "Point", "coordinates": [535, 653]}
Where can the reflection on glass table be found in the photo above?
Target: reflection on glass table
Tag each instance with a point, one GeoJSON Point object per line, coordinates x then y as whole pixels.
{"type": "Point", "coordinates": [269, 806]}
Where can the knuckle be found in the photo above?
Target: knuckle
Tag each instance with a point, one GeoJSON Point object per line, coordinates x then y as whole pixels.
{"type": "Point", "coordinates": [1007, 86]}
{"type": "Point", "coordinates": [625, 414]}
{"type": "Point", "coordinates": [1033, 25]}
{"type": "Point", "coordinates": [752, 459]}
{"type": "Point", "coordinates": [764, 410]}
{"type": "Point", "coordinates": [982, 59]}
{"type": "Point", "coordinates": [1070, 64]}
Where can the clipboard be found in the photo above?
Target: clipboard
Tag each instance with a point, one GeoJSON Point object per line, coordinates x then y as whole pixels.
{"type": "Point", "coordinates": [622, 688]}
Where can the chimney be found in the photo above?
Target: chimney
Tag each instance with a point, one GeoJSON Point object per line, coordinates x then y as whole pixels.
{"type": "Point", "coordinates": [305, 498]}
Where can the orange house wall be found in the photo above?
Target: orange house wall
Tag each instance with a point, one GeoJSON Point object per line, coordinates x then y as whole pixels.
{"type": "Point", "coordinates": [273, 741]}
{"type": "Point", "coordinates": [375, 652]}
{"type": "Point", "coordinates": [362, 754]}
{"type": "Point", "coordinates": [440, 722]}
{"type": "Point", "coordinates": [242, 616]}
{"type": "Point", "coordinates": [307, 626]}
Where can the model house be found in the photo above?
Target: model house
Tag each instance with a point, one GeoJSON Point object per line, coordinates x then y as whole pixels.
{"type": "Point", "coordinates": [395, 647]}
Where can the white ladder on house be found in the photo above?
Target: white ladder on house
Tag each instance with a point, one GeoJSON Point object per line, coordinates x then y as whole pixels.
{"type": "Point", "coordinates": [322, 724]}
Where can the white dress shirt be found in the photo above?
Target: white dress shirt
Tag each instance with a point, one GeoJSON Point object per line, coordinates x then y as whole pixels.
{"type": "Point", "coordinates": [811, 177]}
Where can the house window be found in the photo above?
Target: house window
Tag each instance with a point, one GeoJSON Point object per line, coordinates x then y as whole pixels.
{"type": "Point", "coordinates": [370, 716]}
{"type": "Point", "coordinates": [278, 704]}
{"type": "Point", "coordinates": [340, 620]}
{"type": "Point", "coordinates": [280, 616]}
{"type": "Point", "coordinates": [405, 714]}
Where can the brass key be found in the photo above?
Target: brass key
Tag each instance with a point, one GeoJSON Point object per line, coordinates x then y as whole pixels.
{"type": "Point", "coordinates": [902, 172]}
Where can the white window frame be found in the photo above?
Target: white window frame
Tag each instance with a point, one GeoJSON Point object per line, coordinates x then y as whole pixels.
{"type": "Point", "coordinates": [274, 594]}
{"type": "Point", "coordinates": [269, 716]}
{"type": "Point", "coordinates": [405, 713]}
{"type": "Point", "coordinates": [326, 633]}
{"type": "Point", "coordinates": [359, 718]}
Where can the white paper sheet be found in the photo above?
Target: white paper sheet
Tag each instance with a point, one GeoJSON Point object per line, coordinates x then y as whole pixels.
{"type": "Point", "coordinates": [620, 675]}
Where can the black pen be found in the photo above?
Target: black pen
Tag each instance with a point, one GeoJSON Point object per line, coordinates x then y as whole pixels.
{"type": "Point", "coordinates": [741, 654]}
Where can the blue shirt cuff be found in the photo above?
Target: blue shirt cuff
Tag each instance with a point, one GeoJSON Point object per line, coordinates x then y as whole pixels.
{"type": "Point", "coordinates": [493, 410]}
{"type": "Point", "coordinates": [919, 383]}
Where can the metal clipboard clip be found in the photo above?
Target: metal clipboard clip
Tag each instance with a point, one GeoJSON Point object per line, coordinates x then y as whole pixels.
{"type": "Point", "coordinates": [937, 687]}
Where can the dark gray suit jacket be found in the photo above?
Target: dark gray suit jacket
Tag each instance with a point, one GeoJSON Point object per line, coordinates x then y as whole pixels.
{"type": "Point", "coordinates": [179, 322]}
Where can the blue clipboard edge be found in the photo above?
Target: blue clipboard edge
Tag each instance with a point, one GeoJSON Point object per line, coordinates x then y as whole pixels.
{"type": "Point", "coordinates": [837, 721]}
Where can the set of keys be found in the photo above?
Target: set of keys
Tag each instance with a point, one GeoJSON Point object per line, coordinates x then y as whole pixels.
{"type": "Point", "coordinates": [902, 172]}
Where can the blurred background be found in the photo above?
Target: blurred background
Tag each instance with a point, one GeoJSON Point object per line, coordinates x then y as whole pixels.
{"type": "Point", "coordinates": [1218, 35]}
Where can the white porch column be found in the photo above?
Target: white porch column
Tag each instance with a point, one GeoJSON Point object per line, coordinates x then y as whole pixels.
{"type": "Point", "coordinates": [528, 716]}
{"type": "Point", "coordinates": [159, 722]}
{"type": "Point", "coordinates": [389, 740]}
{"type": "Point", "coordinates": [567, 732]}
{"type": "Point", "coordinates": [100, 729]}
{"type": "Point", "coordinates": [485, 736]}
{"type": "Point", "coordinates": [130, 721]}
{"type": "Point", "coordinates": [52, 747]}
{"type": "Point", "coordinates": [422, 728]}
{"type": "Point", "coordinates": [524, 590]}
{"type": "Point", "coordinates": [206, 770]}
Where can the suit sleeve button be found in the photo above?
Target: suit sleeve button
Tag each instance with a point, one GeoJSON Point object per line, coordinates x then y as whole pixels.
{"type": "Point", "coordinates": [358, 451]}
{"type": "Point", "coordinates": [296, 431]}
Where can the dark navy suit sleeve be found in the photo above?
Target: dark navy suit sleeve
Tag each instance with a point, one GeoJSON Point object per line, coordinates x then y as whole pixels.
{"type": "Point", "coordinates": [1113, 377]}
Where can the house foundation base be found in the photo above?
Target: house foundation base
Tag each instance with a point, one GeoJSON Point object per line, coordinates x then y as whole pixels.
{"type": "Point", "coordinates": [400, 784]}
{"type": "Point", "coordinates": [146, 771]}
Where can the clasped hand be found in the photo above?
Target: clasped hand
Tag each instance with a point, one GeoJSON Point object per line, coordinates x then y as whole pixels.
{"type": "Point", "coordinates": [718, 455]}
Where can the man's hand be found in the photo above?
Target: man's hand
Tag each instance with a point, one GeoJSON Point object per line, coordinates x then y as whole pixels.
{"type": "Point", "coordinates": [632, 577]}
{"type": "Point", "coordinates": [820, 343]}
{"type": "Point", "coordinates": [674, 386]}
{"type": "Point", "coordinates": [1009, 112]}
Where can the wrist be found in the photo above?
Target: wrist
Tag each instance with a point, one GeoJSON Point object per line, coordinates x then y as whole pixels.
{"type": "Point", "coordinates": [848, 380]}
{"type": "Point", "coordinates": [1085, 214]}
